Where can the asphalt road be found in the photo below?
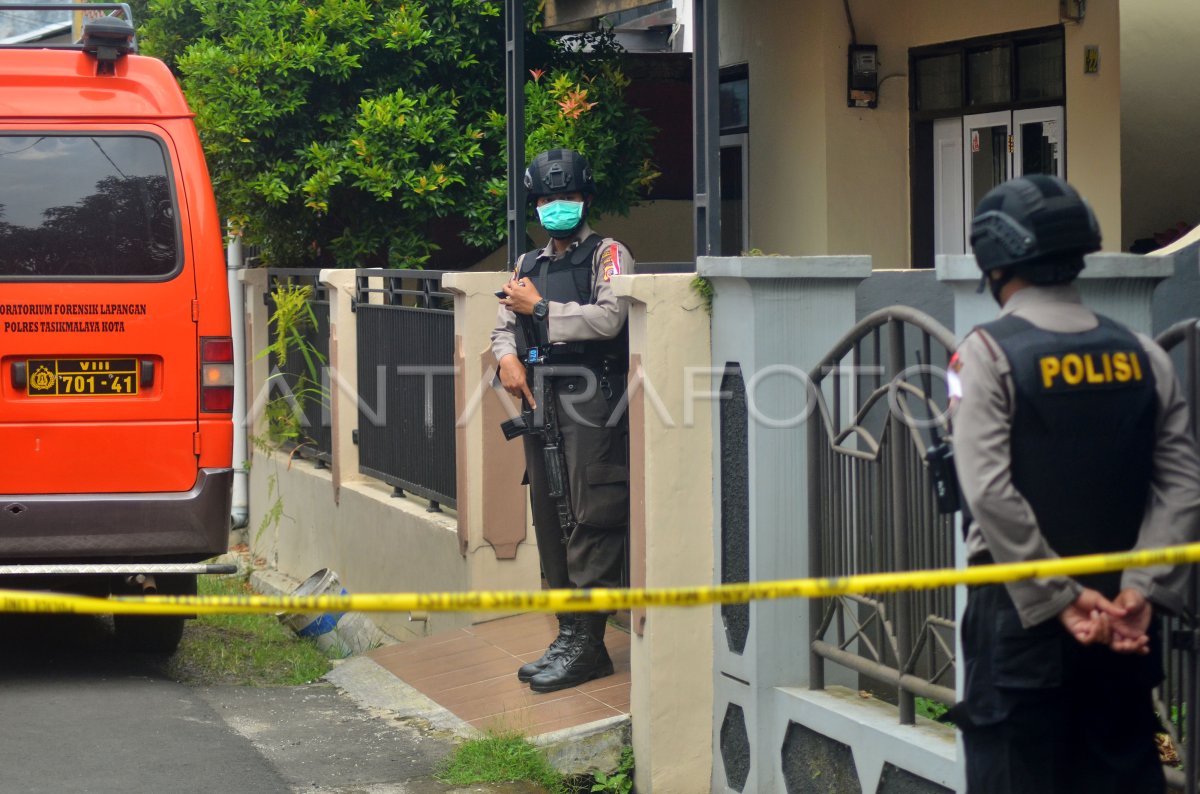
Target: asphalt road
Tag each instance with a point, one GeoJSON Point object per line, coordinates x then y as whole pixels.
{"type": "Point", "coordinates": [79, 715]}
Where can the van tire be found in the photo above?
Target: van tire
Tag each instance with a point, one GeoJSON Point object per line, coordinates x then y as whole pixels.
{"type": "Point", "coordinates": [155, 633]}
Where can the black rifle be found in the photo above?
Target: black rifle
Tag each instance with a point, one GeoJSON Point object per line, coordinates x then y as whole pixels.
{"type": "Point", "coordinates": [939, 456]}
{"type": "Point", "coordinates": [557, 483]}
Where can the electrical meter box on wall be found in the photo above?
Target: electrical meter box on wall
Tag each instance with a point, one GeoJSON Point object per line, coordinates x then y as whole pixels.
{"type": "Point", "coordinates": [863, 77]}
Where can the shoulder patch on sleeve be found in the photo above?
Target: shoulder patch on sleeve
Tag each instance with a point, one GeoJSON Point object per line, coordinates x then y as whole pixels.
{"type": "Point", "coordinates": [953, 383]}
{"type": "Point", "coordinates": [610, 260]}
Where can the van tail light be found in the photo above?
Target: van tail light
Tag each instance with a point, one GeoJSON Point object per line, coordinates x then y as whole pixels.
{"type": "Point", "coordinates": [216, 374]}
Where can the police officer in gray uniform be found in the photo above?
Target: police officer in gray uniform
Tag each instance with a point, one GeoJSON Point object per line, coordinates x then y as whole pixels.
{"type": "Point", "coordinates": [562, 294]}
{"type": "Point", "coordinates": [1071, 436]}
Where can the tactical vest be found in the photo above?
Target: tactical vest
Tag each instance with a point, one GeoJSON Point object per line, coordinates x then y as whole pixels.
{"type": "Point", "coordinates": [570, 279]}
{"type": "Point", "coordinates": [1082, 435]}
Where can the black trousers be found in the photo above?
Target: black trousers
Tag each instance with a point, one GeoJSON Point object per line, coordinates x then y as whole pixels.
{"type": "Point", "coordinates": [1043, 713]}
{"type": "Point", "coordinates": [596, 446]}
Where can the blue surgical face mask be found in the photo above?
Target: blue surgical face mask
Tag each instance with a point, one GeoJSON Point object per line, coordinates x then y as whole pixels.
{"type": "Point", "coordinates": [561, 216]}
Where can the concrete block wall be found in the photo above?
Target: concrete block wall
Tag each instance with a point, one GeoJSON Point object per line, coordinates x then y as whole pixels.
{"type": "Point", "coordinates": [304, 518]}
{"type": "Point", "coordinates": [670, 529]}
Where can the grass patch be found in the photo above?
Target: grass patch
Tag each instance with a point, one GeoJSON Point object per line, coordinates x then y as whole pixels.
{"type": "Point", "coordinates": [501, 758]}
{"type": "Point", "coordinates": [931, 709]}
{"type": "Point", "coordinates": [243, 650]}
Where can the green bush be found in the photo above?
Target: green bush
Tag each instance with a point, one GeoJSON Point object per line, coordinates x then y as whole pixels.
{"type": "Point", "coordinates": [338, 132]}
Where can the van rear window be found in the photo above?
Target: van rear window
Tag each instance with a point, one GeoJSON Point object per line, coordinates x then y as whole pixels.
{"type": "Point", "coordinates": [86, 207]}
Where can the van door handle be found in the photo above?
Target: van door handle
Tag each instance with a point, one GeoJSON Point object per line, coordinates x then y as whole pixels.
{"type": "Point", "coordinates": [146, 373]}
{"type": "Point", "coordinates": [19, 374]}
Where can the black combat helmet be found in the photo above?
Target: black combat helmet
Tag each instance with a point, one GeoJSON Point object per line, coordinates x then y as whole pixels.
{"type": "Point", "coordinates": [1037, 221]}
{"type": "Point", "coordinates": [558, 171]}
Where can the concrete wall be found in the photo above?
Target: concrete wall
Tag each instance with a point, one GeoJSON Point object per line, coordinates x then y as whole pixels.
{"type": "Point", "coordinates": [376, 543]}
{"type": "Point", "coordinates": [770, 315]}
{"type": "Point", "coordinates": [304, 518]}
{"type": "Point", "coordinates": [828, 179]}
{"type": "Point", "coordinates": [1178, 298]}
{"type": "Point", "coordinates": [671, 530]}
{"type": "Point", "coordinates": [919, 289]}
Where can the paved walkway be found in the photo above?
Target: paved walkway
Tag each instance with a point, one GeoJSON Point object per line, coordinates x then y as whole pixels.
{"type": "Point", "coordinates": [455, 681]}
{"type": "Point", "coordinates": [472, 673]}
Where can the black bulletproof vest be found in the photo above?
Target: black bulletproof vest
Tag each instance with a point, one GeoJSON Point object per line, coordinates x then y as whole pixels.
{"type": "Point", "coordinates": [1082, 435]}
{"type": "Point", "coordinates": [569, 280]}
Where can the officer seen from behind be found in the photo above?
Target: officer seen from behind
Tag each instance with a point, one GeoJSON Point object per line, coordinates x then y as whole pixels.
{"type": "Point", "coordinates": [560, 325]}
{"type": "Point", "coordinates": [1071, 436]}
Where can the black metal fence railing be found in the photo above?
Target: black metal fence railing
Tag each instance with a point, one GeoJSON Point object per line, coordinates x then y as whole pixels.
{"type": "Point", "coordinates": [301, 386]}
{"type": "Point", "coordinates": [406, 417]}
{"type": "Point", "coordinates": [1178, 698]}
{"type": "Point", "coordinates": [872, 507]}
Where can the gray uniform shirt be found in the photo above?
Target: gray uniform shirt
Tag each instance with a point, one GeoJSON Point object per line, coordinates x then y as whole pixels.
{"type": "Point", "coordinates": [571, 321]}
{"type": "Point", "coordinates": [1004, 522]}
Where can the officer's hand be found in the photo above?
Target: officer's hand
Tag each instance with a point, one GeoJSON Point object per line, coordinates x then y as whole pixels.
{"type": "Point", "coordinates": [512, 378]}
{"type": "Point", "coordinates": [1089, 617]}
{"type": "Point", "coordinates": [522, 296]}
{"type": "Point", "coordinates": [1130, 633]}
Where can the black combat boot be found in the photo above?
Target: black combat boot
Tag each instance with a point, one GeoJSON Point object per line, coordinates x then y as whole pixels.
{"type": "Point", "coordinates": [566, 630]}
{"type": "Point", "coordinates": [584, 659]}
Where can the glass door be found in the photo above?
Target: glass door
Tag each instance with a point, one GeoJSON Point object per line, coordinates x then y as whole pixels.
{"type": "Point", "coordinates": [948, 187]}
{"type": "Point", "coordinates": [735, 212]}
{"type": "Point", "coordinates": [1037, 145]}
{"type": "Point", "coordinates": [987, 158]}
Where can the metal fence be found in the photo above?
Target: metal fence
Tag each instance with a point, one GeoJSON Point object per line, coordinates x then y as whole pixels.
{"type": "Point", "coordinates": [1178, 699]}
{"type": "Point", "coordinates": [303, 378]}
{"type": "Point", "coordinates": [872, 507]}
{"type": "Point", "coordinates": [406, 421]}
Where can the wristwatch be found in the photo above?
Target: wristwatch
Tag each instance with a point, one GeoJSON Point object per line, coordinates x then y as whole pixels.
{"type": "Point", "coordinates": [541, 310]}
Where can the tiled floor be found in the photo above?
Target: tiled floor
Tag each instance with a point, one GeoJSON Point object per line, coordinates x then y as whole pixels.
{"type": "Point", "coordinates": [472, 672]}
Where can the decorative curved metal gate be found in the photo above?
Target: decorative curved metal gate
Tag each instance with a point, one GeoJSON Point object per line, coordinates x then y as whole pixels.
{"type": "Point", "coordinates": [873, 510]}
{"type": "Point", "coordinates": [872, 506]}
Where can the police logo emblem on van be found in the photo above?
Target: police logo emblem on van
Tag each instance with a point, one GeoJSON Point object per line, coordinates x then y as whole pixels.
{"type": "Point", "coordinates": [83, 377]}
{"type": "Point", "coordinates": [42, 380]}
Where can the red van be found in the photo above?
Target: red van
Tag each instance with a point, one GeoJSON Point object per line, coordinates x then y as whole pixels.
{"type": "Point", "coordinates": [116, 363]}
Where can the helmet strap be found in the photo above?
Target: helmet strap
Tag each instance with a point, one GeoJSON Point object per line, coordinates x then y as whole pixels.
{"type": "Point", "coordinates": [995, 285]}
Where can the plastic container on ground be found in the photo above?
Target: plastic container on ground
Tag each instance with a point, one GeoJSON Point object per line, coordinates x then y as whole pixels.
{"type": "Point", "coordinates": [338, 634]}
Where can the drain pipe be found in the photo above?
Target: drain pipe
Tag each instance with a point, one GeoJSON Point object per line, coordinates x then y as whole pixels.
{"type": "Point", "coordinates": [240, 512]}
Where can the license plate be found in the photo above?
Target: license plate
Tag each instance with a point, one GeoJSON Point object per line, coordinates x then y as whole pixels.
{"type": "Point", "coordinates": [82, 377]}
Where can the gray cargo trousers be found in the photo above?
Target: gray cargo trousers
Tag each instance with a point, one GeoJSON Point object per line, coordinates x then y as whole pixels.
{"type": "Point", "coordinates": [596, 446]}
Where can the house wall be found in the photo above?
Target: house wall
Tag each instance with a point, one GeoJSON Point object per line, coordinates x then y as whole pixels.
{"type": "Point", "coordinates": [788, 210]}
{"type": "Point", "coordinates": [828, 179]}
{"type": "Point", "coordinates": [1093, 108]}
{"type": "Point", "coordinates": [1160, 148]}
{"type": "Point", "coordinates": [655, 231]}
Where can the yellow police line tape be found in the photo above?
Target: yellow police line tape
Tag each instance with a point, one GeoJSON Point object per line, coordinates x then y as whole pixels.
{"type": "Point", "coordinates": [598, 600]}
